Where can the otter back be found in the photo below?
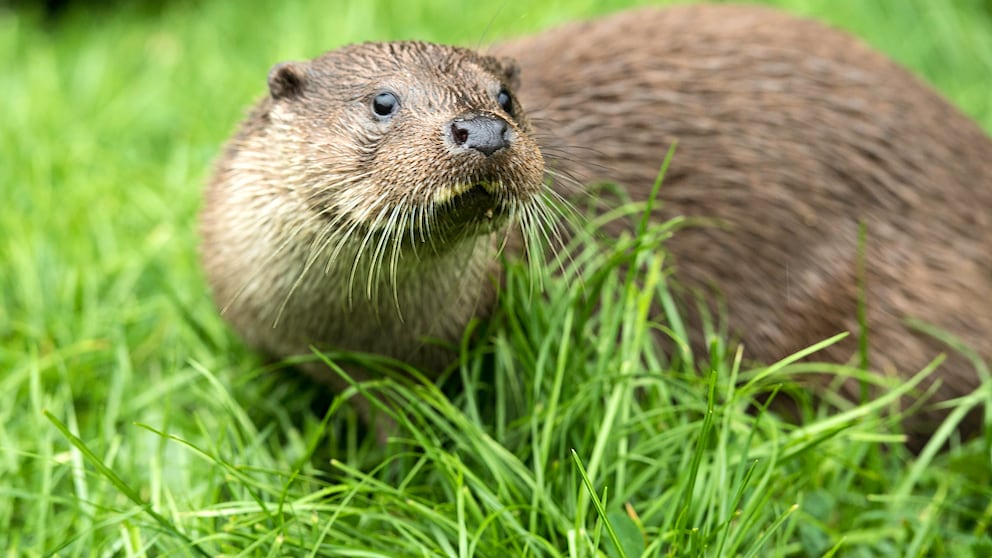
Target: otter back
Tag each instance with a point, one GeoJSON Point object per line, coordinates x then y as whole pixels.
{"type": "Point", "coordinates": [790, 134]}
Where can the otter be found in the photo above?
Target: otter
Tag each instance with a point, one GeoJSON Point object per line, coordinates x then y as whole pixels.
{"type": "Point", "coordinates": [363, 202]}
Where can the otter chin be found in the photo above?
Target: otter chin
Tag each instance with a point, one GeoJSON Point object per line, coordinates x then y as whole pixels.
{"type": "Point", "coordinates": [361, 204]}
{"type": "Point", "coordinates": [477, 203]}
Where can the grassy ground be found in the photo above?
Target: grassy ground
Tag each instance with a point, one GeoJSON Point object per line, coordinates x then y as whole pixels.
{"type": "Point", "coordinates": [133, 423]}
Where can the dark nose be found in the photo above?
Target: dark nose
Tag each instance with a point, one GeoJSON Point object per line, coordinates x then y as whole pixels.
{"type": "Point", "coordinates": [485, 134]}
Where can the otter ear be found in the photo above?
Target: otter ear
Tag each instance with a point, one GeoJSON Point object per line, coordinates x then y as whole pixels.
{"type": "Point", "coordinates": [510, 70]}
{"type": "Point", "coordinates": [287, 79]}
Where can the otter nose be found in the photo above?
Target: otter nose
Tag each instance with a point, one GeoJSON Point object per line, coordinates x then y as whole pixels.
{"type": "Point", "coordinates": [485, 134]}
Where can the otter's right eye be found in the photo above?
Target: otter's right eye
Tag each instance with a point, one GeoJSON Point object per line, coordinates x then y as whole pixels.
{"type": "Point", "coordinates": [385, 104]}
{"type": "Point", "coordinates": [505, 101]}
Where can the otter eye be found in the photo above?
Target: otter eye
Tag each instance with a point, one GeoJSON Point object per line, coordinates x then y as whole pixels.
{"type": "Point", "coordinates": [505, 101]}
{"type": "Point", "coordinates": [385, 104]}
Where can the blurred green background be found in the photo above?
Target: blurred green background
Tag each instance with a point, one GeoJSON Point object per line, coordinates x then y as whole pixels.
{"type": "Point", "coordinates": [111, 116]}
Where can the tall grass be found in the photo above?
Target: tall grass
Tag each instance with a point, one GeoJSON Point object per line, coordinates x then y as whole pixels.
{"type": "Point", "coordinates": [133, 422]}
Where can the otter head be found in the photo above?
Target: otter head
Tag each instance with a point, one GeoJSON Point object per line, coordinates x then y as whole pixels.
{"type": "Point", "coordinates": [405, 145]}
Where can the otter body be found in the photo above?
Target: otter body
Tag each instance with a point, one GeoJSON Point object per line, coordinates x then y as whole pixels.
{"type": "Point", "coordinates": [329, 224]}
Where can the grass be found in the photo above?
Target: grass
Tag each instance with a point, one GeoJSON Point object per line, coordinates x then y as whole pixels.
{"type": "Point", "coordinates": [134, 423]}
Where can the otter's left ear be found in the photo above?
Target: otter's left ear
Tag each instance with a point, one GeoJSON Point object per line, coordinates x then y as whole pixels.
{"type": "Point", "coordinates": [287, 79]}
{"type": "Point", "coordinates": [510, 70]}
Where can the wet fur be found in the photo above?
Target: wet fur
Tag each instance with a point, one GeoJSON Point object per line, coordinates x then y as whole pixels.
{"type": "Point", "coordinates": [790, 134]}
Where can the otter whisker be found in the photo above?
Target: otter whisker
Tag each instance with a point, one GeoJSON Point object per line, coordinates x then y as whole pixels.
{"type": "Point", "coordinates": [317, 247]}
{"type": "Point", "coordinates": [375, 264]}
{"type": "Point", "coordinates": [394, 258]}
{"type": "Point", "coordinates": [360, 253]}
{"type": "Point", "coordinates": [567, 208]}
{"type": "Point", "coordinates": [344, 241]}
{"type": "Point", "coordinates": [429, 225]}
{"type": "Point", "coordinates": [391, 230]}
{"type": "Point", "coordinates": [532, 231]}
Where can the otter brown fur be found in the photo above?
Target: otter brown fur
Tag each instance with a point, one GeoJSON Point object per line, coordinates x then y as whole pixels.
{"type": "Point", "coordinates": [790, 134]}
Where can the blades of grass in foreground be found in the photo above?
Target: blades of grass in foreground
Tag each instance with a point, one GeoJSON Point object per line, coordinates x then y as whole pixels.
{"type": "Point", "coordinates": [122, 486]}
{"type": "Point", "coordinates": [619, 546]}
{"type": "Point", "coordinates": [688, 490]}
{"type": "Point", "coordinates": [653, 196]}
{"type": "Point", "coordinates": [771, 530]}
